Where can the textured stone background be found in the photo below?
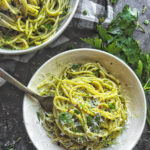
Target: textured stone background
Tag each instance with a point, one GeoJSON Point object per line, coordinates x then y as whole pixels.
{"type": "Point", "coordinates": [12, 131]}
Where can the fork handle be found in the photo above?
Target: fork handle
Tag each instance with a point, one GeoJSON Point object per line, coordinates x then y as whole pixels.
{"type": "Point", "coordinates": [6, 76]}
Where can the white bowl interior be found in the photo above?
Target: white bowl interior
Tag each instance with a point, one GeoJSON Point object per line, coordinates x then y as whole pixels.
{"type": "Point", "coordinates": [131, 88]}
{"type": "Point", "coordinates": [63, 25]}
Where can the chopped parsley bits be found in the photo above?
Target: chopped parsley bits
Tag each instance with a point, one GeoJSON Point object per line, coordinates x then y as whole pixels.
{"type": "Point", "coordinates": [113, 1]}
{"type": "Point", "coordinates": [49, 26]}
{"type": "Point", "coordinates": [65, 118]}
{"type": "Point", "coordinates": [89, 120]}
{"type": "Point", "coordinates": [76, 130]}
{"type": "Point", "coordinates": [84, 12]}
{"type": "Point", "coordinates": [96, 72]}
{"type": "Point", "coordinates": [82, 106]}
{"type": "Point", "coordinates": [144, 9]}
{"type": "Point", "coordinates": [77, 111]}
{"type": "Point", "coordinates": [146, 22]}
{"type": "Point", "coordinates": [76, 66]}
{"type": "Point", "coordinates": [65, 12]}
{"type": "Point", "coordinates": [111, 106]}
{"type": "Point", "coordinates": [7, 38]}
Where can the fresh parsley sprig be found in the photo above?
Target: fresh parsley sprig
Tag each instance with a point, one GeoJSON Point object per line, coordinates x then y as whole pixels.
{"type": "Point", "coordinates": [118, 40]}
{"type": "Point", "coordinates": [113, 1]}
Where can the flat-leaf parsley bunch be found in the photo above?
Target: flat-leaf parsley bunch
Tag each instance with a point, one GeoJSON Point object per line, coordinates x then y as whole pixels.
{"type": "Point", "coordinates": [118, 40]}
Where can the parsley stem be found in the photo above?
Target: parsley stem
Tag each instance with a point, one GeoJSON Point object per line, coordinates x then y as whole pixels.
{"type": "Point", "coordinates": [144, 9]}
{"type": "Point", "coordinates": [148, 110]}
{"type": "Point", "coordinates": [139, 26]}
{"type": "Point", "coordinates": [146, 87]}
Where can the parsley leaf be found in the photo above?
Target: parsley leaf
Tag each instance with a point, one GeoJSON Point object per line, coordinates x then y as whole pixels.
{"type": "Point", "coordinates": [65, 118]}
{"type": "Point", "coordinates": [76, 66]}
{"type": "Point", "coordinates": [111, 106]}
{"type": "Point", "coordinates": [65, 12]}
{"type": "Point", "coordinates": [96, 72]}
{"type": "Point", "coordinates": [118, 39]}
{"type": "Point", "coordinates": [96, 42]}
{"type": "Point", "coordinates": [144, 9]}
{"type": "Point", "coordinates": [49, 26]}
{"type": "Point", "coordinates": [139, 69]}
{"type": "Point", "coordinates": [77, 111]}
{"type": "Point", "coordinates": [89, 41]}
{"type": "Point", "coordinates": [7, 38]}
{"type": "Point", "coordinates": [77, 130]}
{"type": "Point", "coordinates": [147, 85]}
{"type": "Point", "coordinates": [90, 120]}
{"type": "Point", "coordinates": [103, 33]}
{"type": "Point", "coordinates": [113, 1]}
{"type": "Point", "coordinates": [113, 48]}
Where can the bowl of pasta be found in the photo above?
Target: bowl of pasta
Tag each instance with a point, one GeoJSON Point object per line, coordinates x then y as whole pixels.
{"type": "Point", "coordinates": [27, 26]}
{"type": "Point", "coordinates": [98, 103]}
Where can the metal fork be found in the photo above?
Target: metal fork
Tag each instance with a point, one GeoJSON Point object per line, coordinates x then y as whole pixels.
{"type": "Point", "coordinates": [46, 102]}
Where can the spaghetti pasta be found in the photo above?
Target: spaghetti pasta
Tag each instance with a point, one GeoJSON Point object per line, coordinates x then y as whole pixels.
{"type": "Point", "coordinates": [89, 111]}
{"type": "Point", "coordinates": [25, 23]}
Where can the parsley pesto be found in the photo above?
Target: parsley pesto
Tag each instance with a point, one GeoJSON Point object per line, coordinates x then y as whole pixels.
{"type": "Point", "coordinates": [89, 111]}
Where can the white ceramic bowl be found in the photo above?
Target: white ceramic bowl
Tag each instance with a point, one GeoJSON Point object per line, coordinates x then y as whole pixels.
{"type": "Point", "coordinates": [63, 25]}
{"type": "Point", "coordinates": [131, 88]}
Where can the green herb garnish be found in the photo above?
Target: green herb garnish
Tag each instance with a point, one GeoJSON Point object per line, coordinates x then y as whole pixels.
{"type": "Point", "coordinates": [97, 43]}
{"type": "Point", "coordinates": [96, 72]}
{"type": "Point", "coordinates": [84, 12]}
{"type": "Point", "coordinates": [113, 1]}
{"type": "Point", "coordinates": [76, 66]}
{"type": "Point", "coordinates": [144, 9]}
{"type": "Point", "coordinates": [65, 118]}
{"type": "Point", "coordinates": [111, 106]}
{"type": "Point", "coordinates": [49, 26]}
{"type": "Point", "coordinates": [118, 39]}
{"type": "Point", "coordinates": [7, 38]}
{"type": "Point", "coordinates": [90, 120]}
{"type": "Point", "coordinates": [147, 86]}
{"type": "Point", "coordinates": [65, 12]}
{"type": "Point", "coordinates": [146, 22]}
{"type": "Point", "coordinates": [77, 111]}
{"type": "Point", "coordinates": [76, 130]}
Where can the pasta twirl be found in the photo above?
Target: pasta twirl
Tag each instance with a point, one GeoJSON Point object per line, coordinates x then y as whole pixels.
{"type": "Point", "coordinates": [89, 111]}
{"type": "Point", "coordinates": [25, 23]}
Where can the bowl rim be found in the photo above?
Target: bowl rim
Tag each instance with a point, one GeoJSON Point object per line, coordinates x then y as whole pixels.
{"type": "Point", "coordinates": [49, 41]}
{"type": "Point", "coordinates": [90, 50]}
